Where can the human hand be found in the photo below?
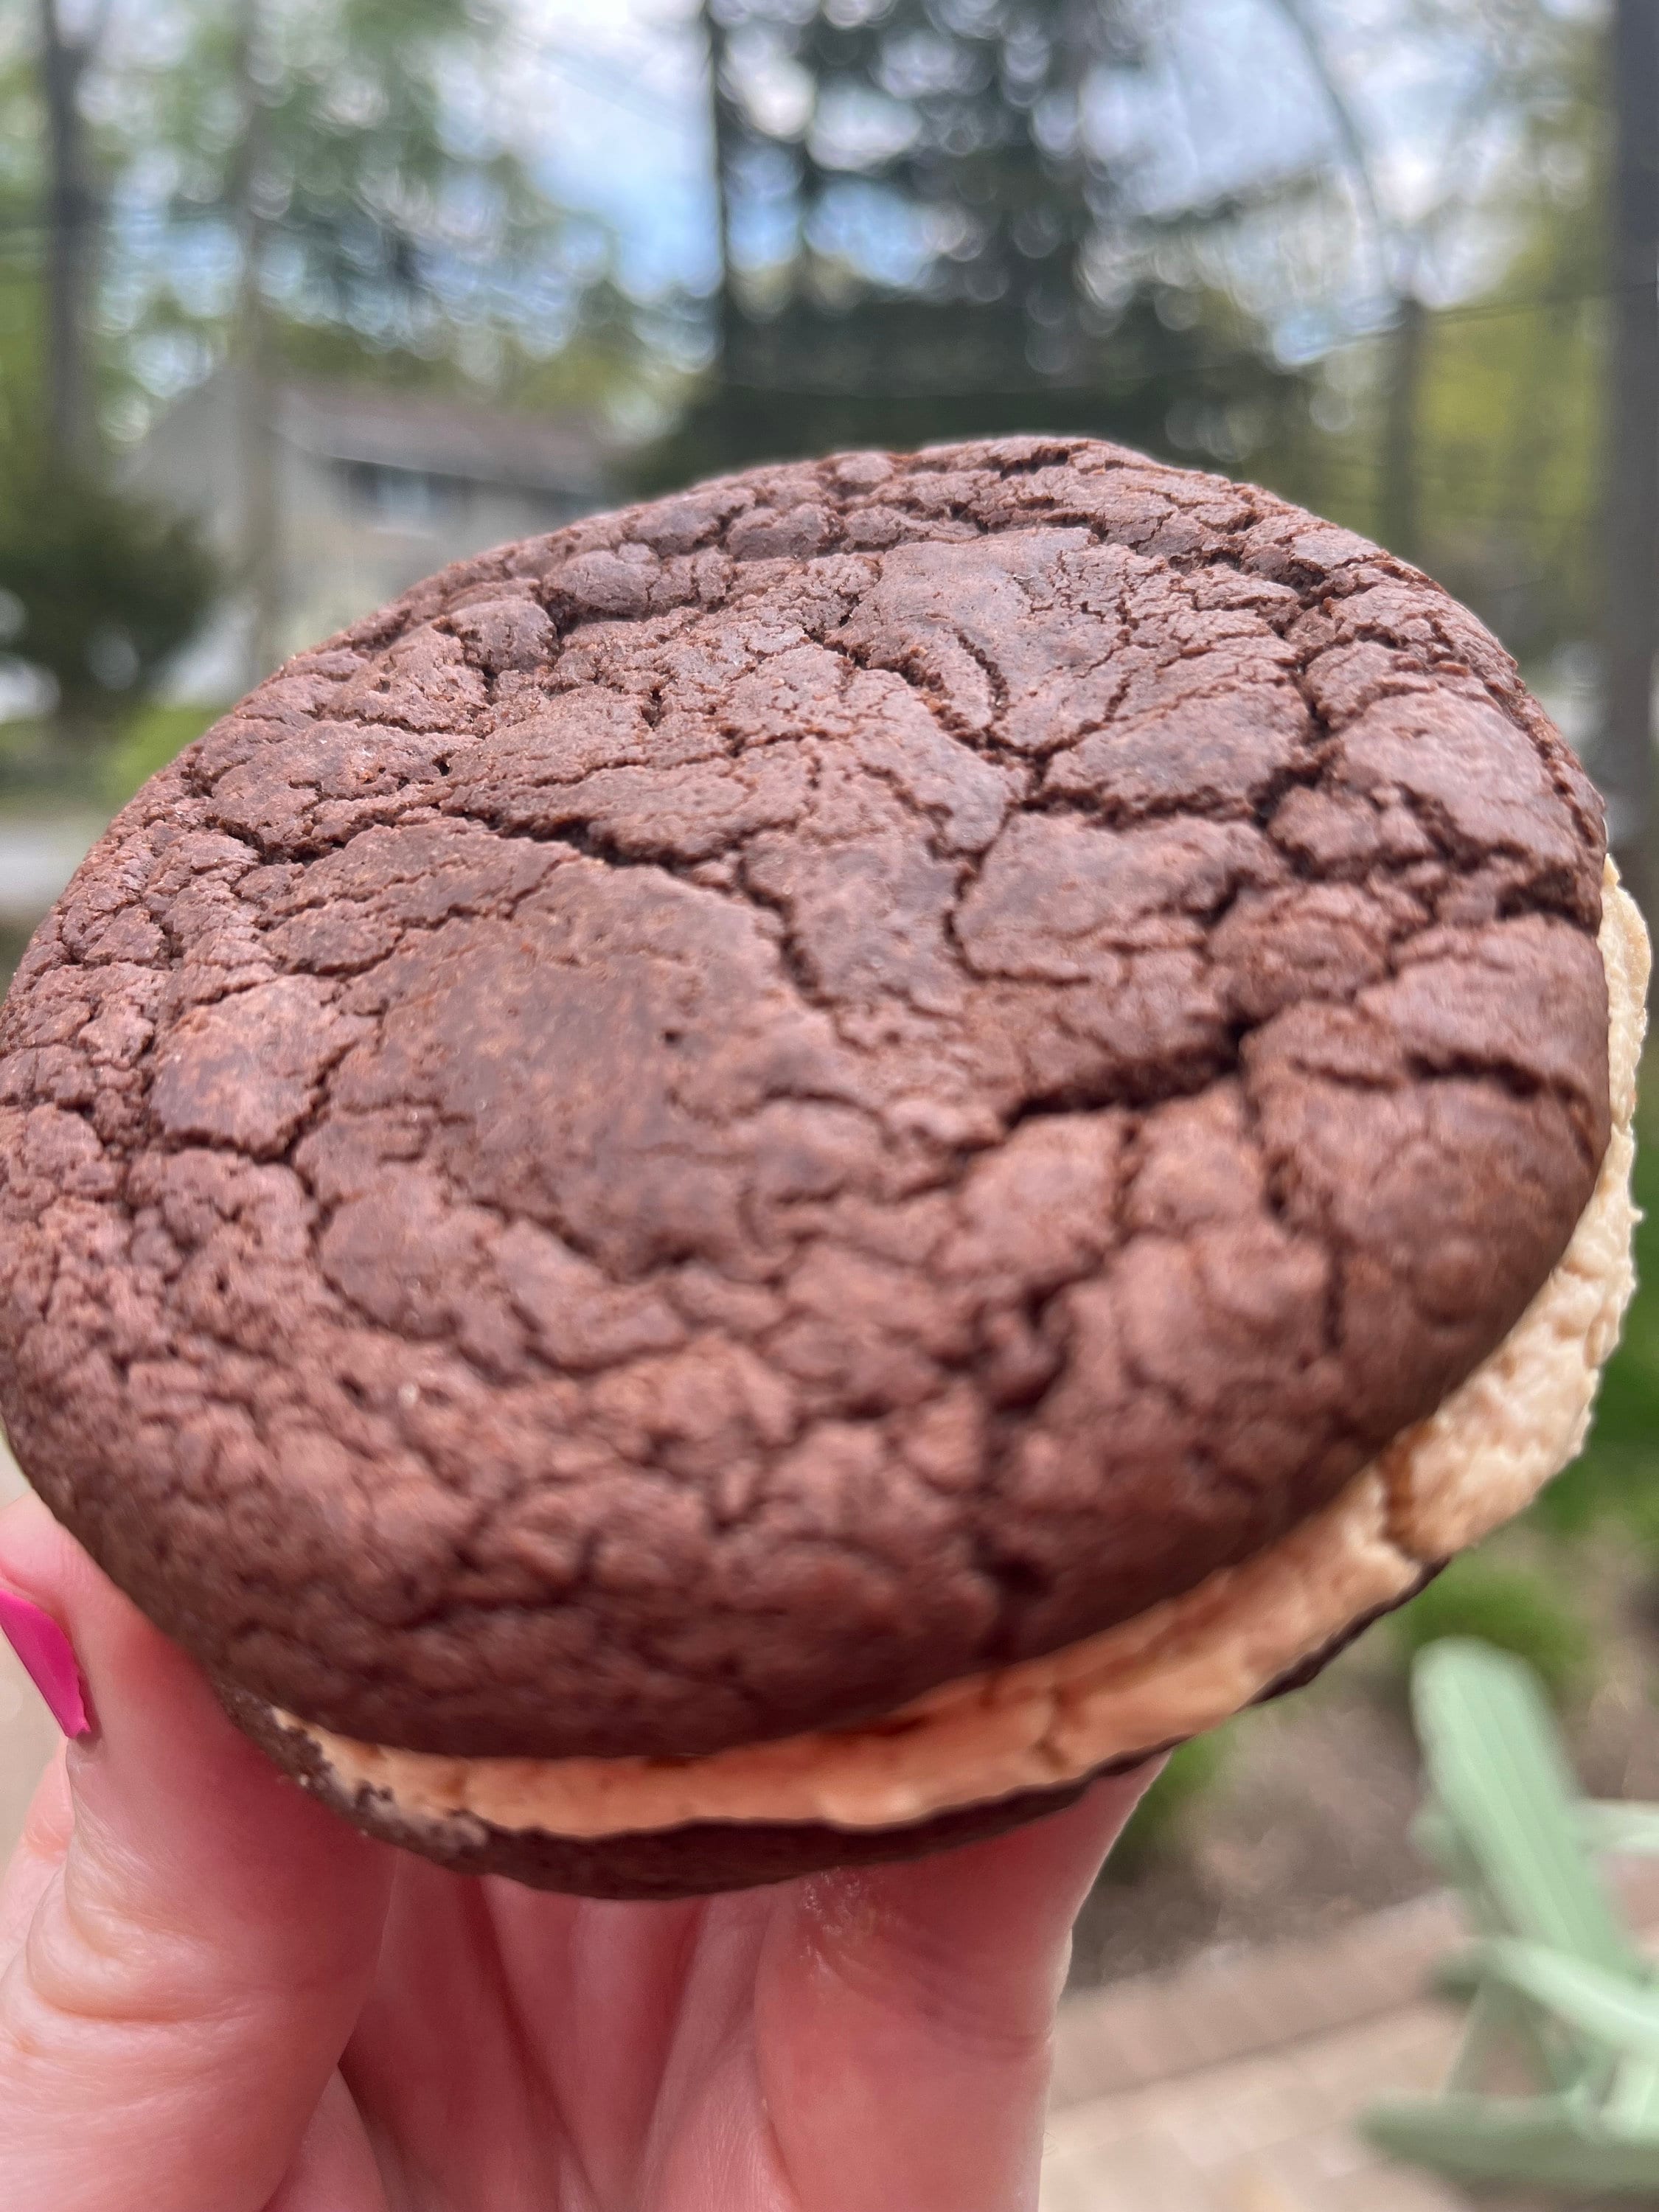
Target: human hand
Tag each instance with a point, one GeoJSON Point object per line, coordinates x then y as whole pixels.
{"type": "Point", "coordinates": [214, 1996]}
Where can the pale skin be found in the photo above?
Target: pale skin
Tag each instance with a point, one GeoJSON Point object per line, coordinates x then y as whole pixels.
{"type": "Point", "coordinates": [214, 1993]}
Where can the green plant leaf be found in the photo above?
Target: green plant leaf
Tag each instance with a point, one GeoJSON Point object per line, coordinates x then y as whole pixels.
{"type": "Point", "coordinates": [1618, 1827]}
{"type": "Point", "coordinates": [1556, 1979]}
{"type": "Point", "coordinates": [1457, 1975]}
{"type": "Point", "coordinates": [1553, 2142]}
{"type": "Point", "coordinates": [1619, 2010]}
{"type": "Point", "coordinates": [1496, 1769]}
{"type": "Point", "coordinates": [1632, 2102]}
{"type": "Point", "coordinates": [1502, 2025]}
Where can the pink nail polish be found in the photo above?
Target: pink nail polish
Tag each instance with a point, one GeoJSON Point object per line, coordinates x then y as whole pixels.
{"type": "Point", "coordinates": [49, 1660]}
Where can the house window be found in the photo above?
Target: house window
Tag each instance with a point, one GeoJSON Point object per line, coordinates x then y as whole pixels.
{"type": "Point", "coordinates": [404, 499]}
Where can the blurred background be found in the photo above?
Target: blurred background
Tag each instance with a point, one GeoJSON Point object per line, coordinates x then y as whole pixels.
{"type": "Point", "coordinates": [301, 299]}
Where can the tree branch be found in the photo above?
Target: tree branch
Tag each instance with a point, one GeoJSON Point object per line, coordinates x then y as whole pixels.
{"type": "Point", "coordinates": [1357, 158]}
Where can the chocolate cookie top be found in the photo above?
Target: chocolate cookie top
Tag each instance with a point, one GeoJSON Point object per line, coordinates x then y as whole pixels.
{"type": "Point", "coordinates": [775, 1098]}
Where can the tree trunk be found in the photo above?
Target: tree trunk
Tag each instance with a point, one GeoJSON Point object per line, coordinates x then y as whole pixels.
{"type": "Point", "coordinates": [72, 224]}
{"type": "Point", "coordinates": [253, 373]}
{"type": "Point", "coordinates": [1398, 523]}
{"type": "Point", "coordinates": [722, 131]}
{"type": "Point", "coordinates": [1631, 532]}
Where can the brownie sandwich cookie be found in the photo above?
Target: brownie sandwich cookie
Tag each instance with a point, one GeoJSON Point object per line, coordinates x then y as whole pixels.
{"type": "Point", "coordinates": [748, 1187]}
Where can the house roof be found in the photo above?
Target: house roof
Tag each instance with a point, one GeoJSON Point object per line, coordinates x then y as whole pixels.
{"type": "Point", "coordinates": [355, 422]}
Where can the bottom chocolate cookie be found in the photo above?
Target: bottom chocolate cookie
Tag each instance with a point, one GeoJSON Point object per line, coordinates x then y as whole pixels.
{"type": "Point", "coordinates": [667, 1863]}
{"type": "Point", "coordinates": [698, 1861]}
{"type": "Point", "coordinates": [695, 1861]}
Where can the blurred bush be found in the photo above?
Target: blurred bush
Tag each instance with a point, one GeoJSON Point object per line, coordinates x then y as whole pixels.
{"type": "Point", "coordinates": [1615, 1481]}
{"type": "Point", "coordinates": [1510, 1607]}
{"type": "Point", "coordinates": [100, 590]}
{"type": "Point", "coordinates": [156, 735]}
{"type": "Point", "coordinates": [1158, 1825]}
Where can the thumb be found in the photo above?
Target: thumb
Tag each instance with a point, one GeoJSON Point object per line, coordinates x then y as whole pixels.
{"type": "Point", "coordinates": [904, 2016]}
{"type": "Point", "coordinates": [186, 1939]}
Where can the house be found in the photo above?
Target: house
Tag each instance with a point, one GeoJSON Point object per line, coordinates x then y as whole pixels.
{"type": "Point", "coordinates": [374, 489]}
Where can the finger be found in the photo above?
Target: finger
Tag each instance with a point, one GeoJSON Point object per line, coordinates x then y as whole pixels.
{"type": "Point", "coordinates": [903, 2017]}
{"type": "Point", "coordinates": [39, 1852]}
{"type": "Point", "coordinates": [192, 1964]}
{"type": "Point", "coordinates": [335, 2168]}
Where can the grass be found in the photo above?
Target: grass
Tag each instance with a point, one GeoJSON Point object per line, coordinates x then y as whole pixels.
{"type": "Point", "coordinates": [1513, 1608]}
{"type": "Point", "coordinates": [38, 772]}
{"type": "Point", "coordinates": [1157, 1825]}
{"type": "Point", "coordinates": [148, 742]}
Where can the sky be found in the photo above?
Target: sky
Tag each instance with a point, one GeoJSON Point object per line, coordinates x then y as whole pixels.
{"type": "Point", "coordinates": [621, 86]}
{"type": "Point", "coordinates": [618, 94]}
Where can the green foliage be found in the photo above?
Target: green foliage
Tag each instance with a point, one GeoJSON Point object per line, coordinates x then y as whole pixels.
{"type": "Point", "coordinates": [1208, 378]}
{"type": "Point", "coordinates": [927, 241]}
{"type": "Point", "coordinates": [604, 366]}
{"type": "Point", "coordinates": [1510, 1608]}
{"type": "Point", "coordinates": [1505, 439]}
{"type": "Point", "coordinates": [1156, 1827]}
{"type": "Point", "coordinates": [156, 735]}
{"type": "Point", "coordinates": [389, 218]}
{"type": "Point", "coordinates": [401, 230]}
{"type": "Point", "coordinates": [1560, 1994]}
{"type": "Point", "coordinates": [1511, 451]}
{"type": "Point", "coordinates": [20, 291]}
{"type": "Point", "coordinates": [1615, 1481]}
{"type": "Point", "coordinates": [103, 589]}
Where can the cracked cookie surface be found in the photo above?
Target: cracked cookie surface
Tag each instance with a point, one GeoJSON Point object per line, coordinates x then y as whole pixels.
{"type": "Point", "coordinates": [724, 1117]}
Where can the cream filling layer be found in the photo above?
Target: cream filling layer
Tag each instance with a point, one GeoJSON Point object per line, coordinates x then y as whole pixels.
{"type": "Point", "coordinates": [1184, 1664]}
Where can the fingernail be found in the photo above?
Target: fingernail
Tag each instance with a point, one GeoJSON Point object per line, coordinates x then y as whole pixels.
{"type": "Point", "coordinates": [48, 1659]}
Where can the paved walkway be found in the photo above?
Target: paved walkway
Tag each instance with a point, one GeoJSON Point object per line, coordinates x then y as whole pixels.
{"type": "Point", "coordinates": [1232, 2085]}
{"type": "Point", "coordinates": [1270, 2134]}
